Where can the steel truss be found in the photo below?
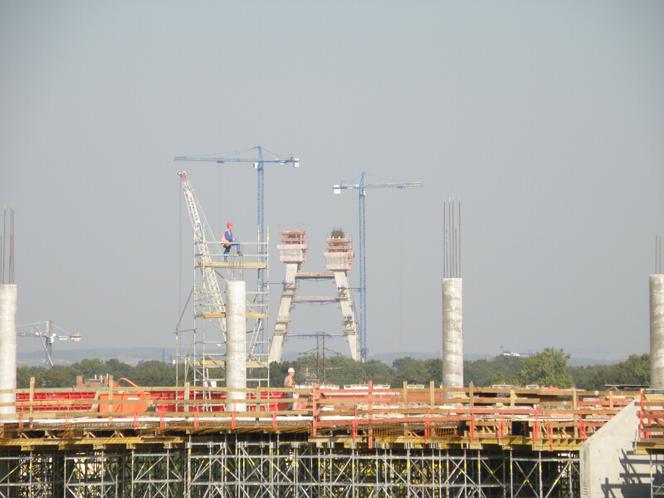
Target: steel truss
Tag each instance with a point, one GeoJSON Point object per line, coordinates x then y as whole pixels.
{"type": "Point", "coordinates": [270, 465]}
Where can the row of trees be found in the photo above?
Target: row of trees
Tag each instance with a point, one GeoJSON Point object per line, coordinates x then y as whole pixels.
{"type": "Point", "coordinates": [546, 368]}
{"type": "Point", "coordinates": [149, 373]}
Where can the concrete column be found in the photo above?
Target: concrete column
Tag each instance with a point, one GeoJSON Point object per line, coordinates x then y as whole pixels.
{"type": "Point", "coordinates": [657, 331]}
{"type": "Point", "coordinates": [452, 332]}
{"type": "Point", "coordinates": [236, 347]}
{"type": "Point", "coordinates": [7, 346]}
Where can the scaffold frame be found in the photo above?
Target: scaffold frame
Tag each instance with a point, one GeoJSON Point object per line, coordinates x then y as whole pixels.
{"type": "Point", "coordinates": [273, 465]}
{"type": "Point", "coordinates": [214, 262]}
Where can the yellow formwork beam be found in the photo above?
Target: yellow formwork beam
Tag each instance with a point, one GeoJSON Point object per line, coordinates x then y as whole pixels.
{"type": "Point", "coordinates": [251, 363]}
{"type": "Point", "coordinates": [650, 445]}
{"type": "Point", "coordinates": [222, 314]}
{"type": "Point", "coordinates": [251, 265]}
{"type": "Point", "coordinates": [68, 442]}
{"type": "Point", "coordinates": [71, 440]}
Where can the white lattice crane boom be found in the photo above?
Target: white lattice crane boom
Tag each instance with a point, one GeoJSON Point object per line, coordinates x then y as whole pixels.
{"type": "Point", "coordinates": [210, 282]}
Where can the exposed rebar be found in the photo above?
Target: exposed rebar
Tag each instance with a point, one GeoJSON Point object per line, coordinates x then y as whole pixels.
{"type": "Point", "coordinates": [657, 331]}
{"type": "Point", "coordinates": [2, 246]}
{"type": "Point", "coordinates": [452, 239]}
{"type": "Point", "coordinates": [12, 258]}
{"type": "Point", "coordinates": [452, 287]}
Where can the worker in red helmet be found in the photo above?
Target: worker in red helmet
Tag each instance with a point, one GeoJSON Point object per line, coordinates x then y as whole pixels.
{"type": "Point", "coordinates": [227, 239]}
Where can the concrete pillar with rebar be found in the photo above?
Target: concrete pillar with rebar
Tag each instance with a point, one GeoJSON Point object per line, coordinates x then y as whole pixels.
{"type": "Point", "coordinates": [236, 346]}
{"type": "Point", "coordinates": [7, 347]}
{"type": "Point", "coordinates": [452, 296]}
{"type": "Point", "coordinates": [8, 295]}
{"type": "Point", "coordinates": [657, 331]}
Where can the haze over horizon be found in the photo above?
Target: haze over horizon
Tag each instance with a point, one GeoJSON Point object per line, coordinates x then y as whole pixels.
{"type": "Point", "coordinates": [545, 118]}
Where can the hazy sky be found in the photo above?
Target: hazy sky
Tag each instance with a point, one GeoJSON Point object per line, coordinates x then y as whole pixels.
{"type": "Point", "coordinates": [545, 118]}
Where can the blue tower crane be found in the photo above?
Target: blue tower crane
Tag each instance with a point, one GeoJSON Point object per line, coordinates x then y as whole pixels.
{"type": "Point", "coordinates": [362, 193]}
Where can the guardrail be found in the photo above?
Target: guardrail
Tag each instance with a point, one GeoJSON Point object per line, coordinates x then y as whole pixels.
{"type": "Point", "coordinates": [540, 417]}
{"type": "Point", "coordinates": [651, 420]}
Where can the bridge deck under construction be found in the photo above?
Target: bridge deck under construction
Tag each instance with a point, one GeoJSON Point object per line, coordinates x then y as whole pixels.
{"type": "Point", "coordinates": [546, 419]}
{"type": "Point", "coordinates": [355, 441]}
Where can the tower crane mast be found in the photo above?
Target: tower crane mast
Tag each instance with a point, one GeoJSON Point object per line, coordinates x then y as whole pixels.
{"type": "Point", "coordinates": [362, 188]}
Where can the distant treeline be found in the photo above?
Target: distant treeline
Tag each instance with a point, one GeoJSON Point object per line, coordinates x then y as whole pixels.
{"type": "Point", "coordinates": [546, 368]}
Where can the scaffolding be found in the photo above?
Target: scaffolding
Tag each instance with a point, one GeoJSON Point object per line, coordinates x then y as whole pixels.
{"type": "Point", "coordinates": [207, 350]}
{"type": "Point", "coordinates": [274, 465]}
{"type": "Point", "coordinates": [214, 263]}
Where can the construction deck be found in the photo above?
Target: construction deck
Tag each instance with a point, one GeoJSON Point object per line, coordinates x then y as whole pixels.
{"type": "Point", "coordinates": [355, 441]}
{"type": "Point", "coordinates": [537, 419]}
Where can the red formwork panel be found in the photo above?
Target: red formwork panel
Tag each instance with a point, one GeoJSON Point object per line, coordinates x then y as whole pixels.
{"type": "Point", "coordinates": [264, 395]}
{"type": "Point", "coordinates": [52, 397]}
{"type": "Point", "coordinates": [163, 401]}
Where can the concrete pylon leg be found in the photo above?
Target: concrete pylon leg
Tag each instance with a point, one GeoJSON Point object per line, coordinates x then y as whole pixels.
{"type": "Point", "coordinates": [353, 346]}
{"type": "Point", "coordinates": [346, 305]}
{"type": "Point", "coordinates": [657, 331]}
{"type": "Point", "coordinates": [8, 294]}
{"type": "Point", "coordinates": [283, 315]}
{"type": "Point", "coordinates": [452, 332]}
{"type": "Point", "coordinates": [276, 347]}
{"type": "Point", "coordinates": [236, 349]}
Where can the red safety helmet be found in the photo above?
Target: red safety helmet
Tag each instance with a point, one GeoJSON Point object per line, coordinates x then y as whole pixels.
{"type": "Point", "coordinates": [229, 224]}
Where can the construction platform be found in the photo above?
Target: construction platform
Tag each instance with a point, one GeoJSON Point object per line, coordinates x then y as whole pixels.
{"type": "Point", "coordinates": [545, 419]}
{"type": "Point", "coordinates": [651, 436]}
{"type": "Point", "coordinates": [328, 441]}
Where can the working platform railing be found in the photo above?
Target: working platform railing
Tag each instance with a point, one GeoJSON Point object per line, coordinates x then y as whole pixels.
{"type": "Point", "coordinates": [231, 266]}
{"type": "Point", "coordinates": [543, 419]}
{"type": "Point", "coordinates": [651, 420]}
{"type": "Point", "coordinates": [214, 263]}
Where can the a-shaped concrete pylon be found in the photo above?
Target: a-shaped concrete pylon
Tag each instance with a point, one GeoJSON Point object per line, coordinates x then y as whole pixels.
{"type": "Point", "coordinates": [338, 262]}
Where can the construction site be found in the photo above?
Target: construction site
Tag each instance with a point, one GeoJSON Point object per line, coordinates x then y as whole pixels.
{"type": "Point", "coordinates": [225, 431]}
